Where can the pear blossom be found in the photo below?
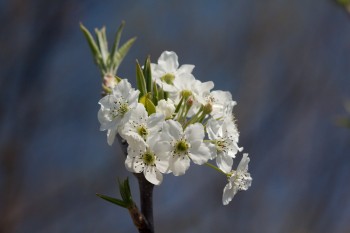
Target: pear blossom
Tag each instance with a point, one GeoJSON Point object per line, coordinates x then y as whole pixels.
{"type": "Point", "coordinates": [186, 145]}
{"type": "Point", "coordinates": [166, 107]}
{"type": "Point", "coordinates": [224, 135]}
{"type": "Point", "coordinates": [221, 102]}
{"type": "Point", "coordinates": [149, 158]}
{"type": "Point", "coordinates": [115, 108]}
{"type": "Point", "coordinates": [238, 180]}
{"type": "Point", "coordinates": [189, 86]}
{"type": "Point", "coordinates": [142, 127]}
{"type": "Point", "coordinates": [167, 70]}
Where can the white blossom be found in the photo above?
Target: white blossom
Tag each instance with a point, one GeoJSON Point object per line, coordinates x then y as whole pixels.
{"type": "Point", "coordinates": [224, 135]}
{"type": "Point", "coordinates": [150, 159]}
{"type": "Point", "coordinates": [186, 145]}
{"type": "Point", "coordinates": [166, 107]}
{"type": "Point", "coordinates": [239, 179]}
{"type": "Point", "coordinates": [142, 127]}
{"type": "Point", "coordinates": [167, 70]}
{"type": "Point", "coordinates": [115, 108]}
{"type": "Point", "coordinates": [221, 102]}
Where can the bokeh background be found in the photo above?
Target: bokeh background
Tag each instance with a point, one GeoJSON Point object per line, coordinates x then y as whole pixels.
{"type": "Point", "coordinates": [287, 64]}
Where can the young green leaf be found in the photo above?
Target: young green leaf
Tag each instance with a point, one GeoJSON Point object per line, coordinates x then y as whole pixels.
{"type": "Point", "coordinates": [148, 74]}
{"type": "Point", "coordinates": [155, 93]}
{"type": "Point", "coordinates": [92, 44]}
{"type": "Point", "coordinates": [113, 200]}
{"type": "Point", "coordinates": [121, 53]}
{"type": "Point", "coordinates": [140, 80]}
{"type": "Point", "coordinates": [117, 40]}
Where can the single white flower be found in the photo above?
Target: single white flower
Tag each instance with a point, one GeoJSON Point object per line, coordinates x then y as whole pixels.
{"type": "Point", "coordinates": [224, 135]}
{"type": "Point", "coordinates": [150, 159]}
{"type": "Point", "coordinates": [166, 107]}
{"type": "Point", "coordinates": [239, 179]}
{"type": "Point", "coordinates": [115, 108]}
{"type": "Point", "coordinates": [221, 102]}
{"type": "Point", "coordinates": [167, 70]}
{"type": "Point", "coordinates": [185, 146]}
{"type": "Point", "coordinates": [142, 127]}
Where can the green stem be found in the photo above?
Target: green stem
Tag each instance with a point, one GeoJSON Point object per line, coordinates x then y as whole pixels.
{"type": "Point", "coordinates": [215, 168]}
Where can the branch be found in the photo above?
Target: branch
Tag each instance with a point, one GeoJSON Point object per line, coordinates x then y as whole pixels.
{"type": "Point", "coordinates": [142, 220]}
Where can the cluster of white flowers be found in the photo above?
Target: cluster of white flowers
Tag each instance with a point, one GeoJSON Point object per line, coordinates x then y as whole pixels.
{"type": "Point", "coordinates": [188, 122]}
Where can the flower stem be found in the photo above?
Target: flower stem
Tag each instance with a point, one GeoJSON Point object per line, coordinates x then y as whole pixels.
{"type": "Point", "coordinates": [215, 168]}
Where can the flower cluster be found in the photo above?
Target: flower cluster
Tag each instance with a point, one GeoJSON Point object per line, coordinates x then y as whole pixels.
{"type": "Point", "coordinates": [173, 120]}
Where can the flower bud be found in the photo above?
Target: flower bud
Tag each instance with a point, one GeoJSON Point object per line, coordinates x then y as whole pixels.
{"type": "Point", "coordinates": [207, 108]}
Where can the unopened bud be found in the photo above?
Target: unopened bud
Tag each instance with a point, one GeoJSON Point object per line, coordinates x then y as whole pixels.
{"type": "Point", "coordinates": [189, 102]}
{"type": "Point", "coordinates": [109, 81]}
{"type": "Point", "coordinates": [208, 108]}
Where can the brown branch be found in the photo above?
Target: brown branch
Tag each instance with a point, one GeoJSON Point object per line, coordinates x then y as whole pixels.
{"type": "Point", "coordinates": [142, 220]}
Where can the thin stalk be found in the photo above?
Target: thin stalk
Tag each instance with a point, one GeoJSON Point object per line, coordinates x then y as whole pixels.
{"type": "Point", "coordinates": [215, 168]}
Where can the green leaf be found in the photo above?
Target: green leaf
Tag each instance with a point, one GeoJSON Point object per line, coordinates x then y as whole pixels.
{"type": "Point", "coordinates": [344, 2]}
{"type": "Point", "coordinates": [155, 93]}
{"type": "Point", "coordinates": [140, 80]}
{"type": "Point", "coordinates": [150, 106]}
{"type": "Point", "coordinates": [121, 53]}
{"type": "Point", "coordinates": [92, 44]}
{"type": "Point", "coordinates": [160, 94]}
{"type": "Point", "coordinates": [148, 74]}
{"type": "Point", "coordinates": [117, 40]}
{"type": "Point", "coordinates": [102, 42]}
{"type": "Point", "coordinates": [113, 200]}
{"type": "Point", "coordinates": [147, 102]}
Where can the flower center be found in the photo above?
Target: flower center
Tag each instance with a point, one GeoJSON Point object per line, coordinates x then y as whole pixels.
{"type": "Point", "coordinates": [221, 145]}
{"type": "Point", "coordinates": [123, 109]}
{"type": "Point", "coordinates": [186, 94]}
{"type": "Point", "coordinates": [168, 78]}
{"type": "Point", "coordinates": [142, 131]}
{"type": "Point", "coordinates": [181, 147]}
{"type": "Point", "coordinates": [148, 158]}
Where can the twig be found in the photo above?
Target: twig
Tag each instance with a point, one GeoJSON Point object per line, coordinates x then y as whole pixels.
{"type": "Point", "coordinates": [144, 220]}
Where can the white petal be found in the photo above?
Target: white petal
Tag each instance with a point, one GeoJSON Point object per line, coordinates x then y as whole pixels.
{"type": "Point", "coordinates": [194, 132]}
{"type": "Point", "coordinates": [155, 121]}
{"type": "Point", "coordinates": [212, 128]}
{"type": "Point", "coordinates": [169, 61]}
{"type": "Point", "coordinates": [111, 136]}
{"type": "Point", "coordinates": [185, 69]}
{"type": "Point", "coordinates": [172, 129]}
{"type": "Point", "coordinates": [243, 164]}
{"type": "Point", "coordinates": [228, 194]}
{"type": "Point", "coordinates": [163, 165]}
{"type": "Point", "coordinates": [134, 164]}
{"type": "Point", "coordinates": [199, 154]}
{"type": "Point", "coordinates": [224, 162]}
{"type": "Point", "coordinates": [153, 175]}
{"type": "Point", "coordinates": [179, 165]}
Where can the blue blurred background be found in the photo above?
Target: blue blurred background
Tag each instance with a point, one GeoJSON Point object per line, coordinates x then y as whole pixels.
{"type": "Point", "coordinates": [287, 64]}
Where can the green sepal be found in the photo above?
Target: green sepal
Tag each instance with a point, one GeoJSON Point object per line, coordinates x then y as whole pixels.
{"type": "Point", "coordinates": [113, 200]}
{"type": "Point", "coordinates": [148, 74]}
{"type": "Point", "coordinates": [147, 102]}
{"type": "Point", "coordinates": [140, 80]}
